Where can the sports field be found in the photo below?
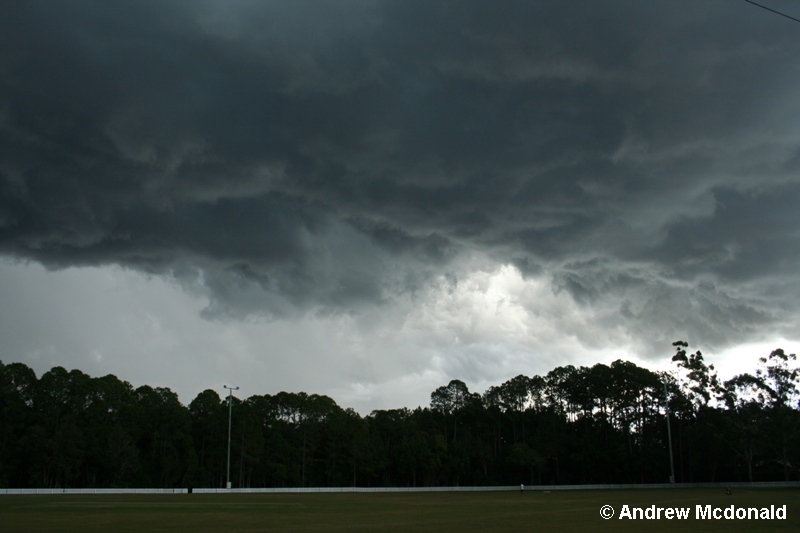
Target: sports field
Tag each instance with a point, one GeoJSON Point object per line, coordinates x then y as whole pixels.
{"type": "Point", "coordinates": [408, 512]}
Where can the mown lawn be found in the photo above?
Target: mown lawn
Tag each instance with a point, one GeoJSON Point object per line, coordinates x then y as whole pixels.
{"type": "Point", "coordinates": [407, 512]}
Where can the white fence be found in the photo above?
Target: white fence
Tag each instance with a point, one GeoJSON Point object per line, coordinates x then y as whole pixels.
{"type": "Point", "coordinates": [357, 489]}
{"type": "Point", "coordinates": [533, 488]}
{"type": "Point", "coordinates": [93, 491]}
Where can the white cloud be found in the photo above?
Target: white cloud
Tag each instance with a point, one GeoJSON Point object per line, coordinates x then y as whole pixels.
{"type": "Point", "coordinates": [487, 327]}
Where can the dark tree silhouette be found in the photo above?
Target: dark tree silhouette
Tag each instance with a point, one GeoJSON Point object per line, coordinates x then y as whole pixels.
{"type": "Point", "coordinates": [599, 424]}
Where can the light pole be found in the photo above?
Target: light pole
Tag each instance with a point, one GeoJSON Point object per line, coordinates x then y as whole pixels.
{"type": "Point", "coordinates": [230, 411]}
{"type": "Point", "coordinates": [669, 436]}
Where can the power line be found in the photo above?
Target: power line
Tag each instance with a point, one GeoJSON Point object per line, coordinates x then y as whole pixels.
{"type": "Point", "coordinates": [772, 10]}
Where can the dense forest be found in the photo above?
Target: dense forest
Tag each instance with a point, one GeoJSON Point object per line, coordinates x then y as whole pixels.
{"type": "Point", "coordinates": [599, 424]}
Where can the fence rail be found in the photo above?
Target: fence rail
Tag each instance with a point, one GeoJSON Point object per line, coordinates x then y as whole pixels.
{"type": "Point", "coordinates": [93, 491]}
{"type": "Point", "coordinates": [539, 488]}
{"type": "Point", "coordinates": [534, 488]}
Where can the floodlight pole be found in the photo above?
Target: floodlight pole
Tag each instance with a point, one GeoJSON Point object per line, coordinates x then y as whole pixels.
{"type": "Point", "coordinates": [669, 436]}
{"type": "Point", "coordinates": [230, 412]}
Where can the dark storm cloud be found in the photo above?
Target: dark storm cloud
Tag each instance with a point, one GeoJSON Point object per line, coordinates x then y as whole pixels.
{"type": "Point", "coordinates": [748, 235]}
{"type": "Point", "coordinates": [300, 155]}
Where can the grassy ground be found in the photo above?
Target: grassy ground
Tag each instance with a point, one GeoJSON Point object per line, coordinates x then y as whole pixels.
{"type": "Point", "coordinates": [414, 512]}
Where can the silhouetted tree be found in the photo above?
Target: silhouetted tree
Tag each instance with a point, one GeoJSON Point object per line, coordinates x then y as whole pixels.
{"type": "Point", "coordinates": [598, 424]}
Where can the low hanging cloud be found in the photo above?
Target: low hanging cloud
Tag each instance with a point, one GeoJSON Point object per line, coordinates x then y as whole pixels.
{"type": "Point", "coordinates": [633, 168]}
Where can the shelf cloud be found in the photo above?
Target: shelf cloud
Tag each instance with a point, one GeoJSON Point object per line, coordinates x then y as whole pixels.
{"type": "Point", "coordinates": [426, 191]}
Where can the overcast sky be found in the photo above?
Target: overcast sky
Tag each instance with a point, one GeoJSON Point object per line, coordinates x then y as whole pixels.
{"type": "Point", "coordinates": [367, 199]}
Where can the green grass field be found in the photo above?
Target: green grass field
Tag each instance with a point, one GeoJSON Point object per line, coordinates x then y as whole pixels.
{"type": "Point", "coordinates": [408, 512]}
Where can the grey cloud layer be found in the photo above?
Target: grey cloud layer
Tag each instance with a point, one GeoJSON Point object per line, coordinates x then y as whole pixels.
{"type": "Point", "coordinates": [285, 156]}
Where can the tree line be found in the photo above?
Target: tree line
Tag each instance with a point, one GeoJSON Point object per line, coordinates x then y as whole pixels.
{"type": "Point", "coordinates": [598, 424]}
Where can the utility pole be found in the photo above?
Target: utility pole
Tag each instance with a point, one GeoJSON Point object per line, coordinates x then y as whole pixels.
{"type": "Point", "coordinates": [230, 412]}
{"type": "Point", "coordinates": [669, 436]}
